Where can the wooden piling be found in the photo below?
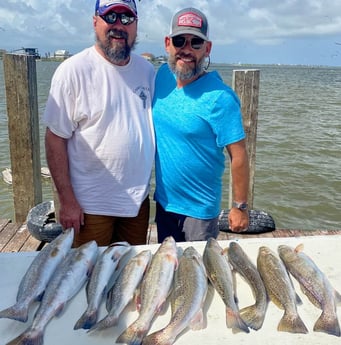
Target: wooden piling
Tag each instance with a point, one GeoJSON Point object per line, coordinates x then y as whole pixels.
{"type": "Point", "coordinates": [23, 130]}
{"type": "Point", "coordinates": [246, 85]}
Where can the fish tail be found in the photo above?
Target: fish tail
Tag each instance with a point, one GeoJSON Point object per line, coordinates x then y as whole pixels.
{"type": "Point", "coordinates": [159, 338]}
{"type": "Point", "coordinates": [108, 321]}
{"type": "Point", "coordinates": [133, 335]}
{"type": "Point", "coordinates": [337, 298]}
{"type": "Point", "coordinates": [87, 320]}
{"type": "Point", "coordinates": [29, 337]}
{"type": "Point", "coordinates": [253, 316]}
{"type": "Point", "coordinates": [18, 312]}
{"type": "Point", "coordinates": [291, 324]}
{"type": "Point", "coordinates": [327, 324]}
{"type": "Point", "coordinates": [234, 321]}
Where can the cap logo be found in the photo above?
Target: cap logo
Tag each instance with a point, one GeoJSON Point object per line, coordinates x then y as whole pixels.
{"type": "Point", "coordinates": [190, 19]}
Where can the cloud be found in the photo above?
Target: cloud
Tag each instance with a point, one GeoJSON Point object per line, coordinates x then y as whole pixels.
{"type": "Point", "coordinates": [67, 24]}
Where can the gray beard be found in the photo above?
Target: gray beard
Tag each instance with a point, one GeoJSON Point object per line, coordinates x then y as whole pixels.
{"type": "Point", "coordinates": [117, 54]}
{"type": "Point", "coordinates": [198, 69]}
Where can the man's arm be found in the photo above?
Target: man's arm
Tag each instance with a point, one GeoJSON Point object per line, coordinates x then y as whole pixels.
{"type": "Point", "coordinates": [239, 219]}
{"type": "Point", "coordinates": [70, 212]}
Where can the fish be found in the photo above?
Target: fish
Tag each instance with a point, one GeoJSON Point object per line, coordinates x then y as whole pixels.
{"type": "Point", "coordinates": [187, 299]}
{"type": "Point", "coordinates": [68, 279]}
{"type": "Point", "coordinates": [252, 315]}
{"type": "Point", "coordinates": [100, 282]}
{"type": "Point", "coordinates": [154, 290]}
{"type": "Point", "coordinates": [280, 290]}
{"type": "Point", "coordinates": [315, 285]}
{"type": "Point", "coordinates": [37, 276]}
{"type": "Point", "coordinates": [123, 290]}
{"type": "Point", "coordinates": [220, 275]}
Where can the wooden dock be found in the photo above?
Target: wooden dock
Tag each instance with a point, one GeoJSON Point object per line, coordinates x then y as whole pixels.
{"type": "Point", "coordinates": [15, 237]}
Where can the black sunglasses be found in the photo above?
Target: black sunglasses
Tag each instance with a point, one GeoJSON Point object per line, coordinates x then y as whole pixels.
{"type": "Point", "coordinates": [181, 41]}
{"type": "Point", "coordinates": [125, 18]}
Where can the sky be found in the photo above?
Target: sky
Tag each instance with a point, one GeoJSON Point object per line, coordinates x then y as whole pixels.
{"type": "Point", "coordinates": [299, 32]}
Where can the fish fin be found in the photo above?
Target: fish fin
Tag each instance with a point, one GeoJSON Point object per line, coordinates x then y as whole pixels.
{"type": "Point", "coordinates": [337, 297]}
{"type": "Point", "coordinates": [162, 308]}
{"type": "Point", "coordinates": [225, 252]}
{"type": "Point", "coordinates": [108, 321]}
{"type": "Point", "coordinates": [253, 316]}
{"type": "Point", "coordinates": [29, 337]}
{"type": "Point", "coordinates": [137, 299]}
{"type": "Point", "coordinates": [87, 320]}
{"type": "Point", "coordinates": [175, 259]}
{"type": "Point", "coordinates": [234, 321]}
{"type": "Point", "coordinates": [292, 324]}
{"type": "Point", "coordinates": [134, 334]}
{"type": "Point", "coordinates": [16, 312]}
{"type": "Point", "coordinates": [299, 248]}
{"type": "Point", "coordinates": [198, 322]}
{"type": "Point", "coordinates": [159, 337]}
{"type": "Point", "coordinates": [327, 324]}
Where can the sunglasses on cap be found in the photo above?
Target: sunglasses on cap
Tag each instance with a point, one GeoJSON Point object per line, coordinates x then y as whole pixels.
{"type": "Point", "coordinates": [195, 42]}
{"type": "Point", "coordinates": [125, 18]}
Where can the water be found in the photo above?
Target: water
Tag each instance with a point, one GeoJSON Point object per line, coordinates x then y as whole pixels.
{"type": "Point", "coordinates": [298, 159]}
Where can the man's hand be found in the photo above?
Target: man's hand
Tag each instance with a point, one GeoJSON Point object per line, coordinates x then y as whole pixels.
{"type": "Point", "coordinates": [238, 220]}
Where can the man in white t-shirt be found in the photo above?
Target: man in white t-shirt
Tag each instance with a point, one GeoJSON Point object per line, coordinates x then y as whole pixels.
{"type": "Point", "coordinates": [99, 137]}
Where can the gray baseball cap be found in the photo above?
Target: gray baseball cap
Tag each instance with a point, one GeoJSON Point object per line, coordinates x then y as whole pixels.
{"type": "Point", "coordinates": [189, 21]}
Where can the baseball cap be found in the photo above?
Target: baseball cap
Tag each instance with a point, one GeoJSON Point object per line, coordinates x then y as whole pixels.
{"type": "Point", "coordinates": [189, 21]}
{"type": "Point", "coordinates": [104, 6]}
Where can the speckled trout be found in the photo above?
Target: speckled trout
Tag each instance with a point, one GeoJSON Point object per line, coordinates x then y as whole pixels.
{"type": "Point", "coordinates": [67, 280]}
{"type": "Point", "coordinates": [37, 276]}
{"type": "Point", "coordinates": [101, 281]}
{"type": "Point", "coordinates": [315, 285]}
{"type": "Point", "coordinates": [155, 288]}
{"type": "Point", "coordinates": [124, 288]}
{"type": "Point", "coordinates": [280, 290]}
{"type": "Point", "coordinates": [220, 275]}
{"type": "Point", "coordinates": [253, 315]}
{"type": "Point", "coordinates": [187, 299]}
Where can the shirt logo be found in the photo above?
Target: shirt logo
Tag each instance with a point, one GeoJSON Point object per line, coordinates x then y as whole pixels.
{"type": "Point", "coordinates": [143, 93]}
{"type": "Point", "coordinates": [190, 19]}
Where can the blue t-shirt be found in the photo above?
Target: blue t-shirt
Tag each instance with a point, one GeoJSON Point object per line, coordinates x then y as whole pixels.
{"type": "Point", "coordinates": [193, 124]}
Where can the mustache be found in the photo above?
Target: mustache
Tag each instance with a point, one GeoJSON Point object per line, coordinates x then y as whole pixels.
{"type": "Point", "coordinates": [117, 34]}
{"type": "Point", "coordinates": [185, 56]}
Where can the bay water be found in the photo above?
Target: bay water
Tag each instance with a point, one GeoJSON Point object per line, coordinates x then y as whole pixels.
{"type": "Point", "coordinates": [298, 155]}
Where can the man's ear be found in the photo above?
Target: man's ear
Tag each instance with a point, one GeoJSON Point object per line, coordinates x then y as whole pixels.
{"type": "Point", "coordinates": [167, 43]}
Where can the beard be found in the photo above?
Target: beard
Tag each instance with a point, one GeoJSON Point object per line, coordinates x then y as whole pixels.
{"type": "Point", "coordinates": [186, 72]}
{"type": "Point", "coordinates": [116, 52]}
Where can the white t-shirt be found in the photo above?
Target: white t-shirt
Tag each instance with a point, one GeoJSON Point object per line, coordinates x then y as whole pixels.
{"type": "Point", "coordinates": [104, 111]}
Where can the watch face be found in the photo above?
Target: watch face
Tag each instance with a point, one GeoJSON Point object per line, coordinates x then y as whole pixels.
{"type": "Point", "coordinates": [240, 205]}
{"type": "Point", "coordinates": [243, 206]}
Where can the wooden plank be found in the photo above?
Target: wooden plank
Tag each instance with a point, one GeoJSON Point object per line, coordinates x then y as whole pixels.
{"type": "Point", "coordinates": [18, 239]}
{"type": "Point", "coordinates": [7, 234]}
{"type": "Point", "coordinates": [23, 130]}
{"type": "Point", "coordinates": [31, 244]}
{"type": "Point", "coordinates": [15, 237]}
{"type": "Point", "coordinates": [246, 85]}
{"type": "Point", "coordinates": [3, 223]}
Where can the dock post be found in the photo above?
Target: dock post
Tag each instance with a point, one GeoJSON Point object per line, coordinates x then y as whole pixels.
{"type": "Point", "coordinates": [246, 85]}
{"type": "Point", "coordinates": [23, 130]}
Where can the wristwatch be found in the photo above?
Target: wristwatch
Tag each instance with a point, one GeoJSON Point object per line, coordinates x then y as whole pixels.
{"type": "Point", "coordinates": [240, 205]}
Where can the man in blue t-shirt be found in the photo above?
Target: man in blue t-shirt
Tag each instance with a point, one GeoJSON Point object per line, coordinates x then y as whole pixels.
{"type": "Point", "coordinates": [195, 117]}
